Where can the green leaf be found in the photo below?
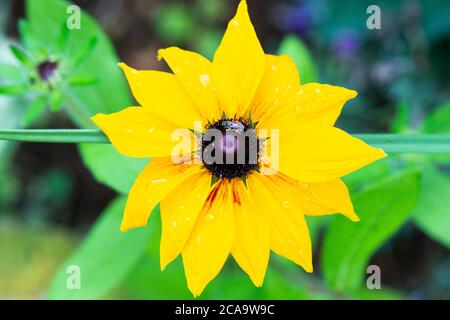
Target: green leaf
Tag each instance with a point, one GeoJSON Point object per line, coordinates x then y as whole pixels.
{"type": "Point", "coordinates": [10, 72]}
{"type": "Point", "coordinates": [147, 281]}
{"type": "Point", "coordinates": [438, 121]}
{"type": "Point", "coordinates": [34, 110]}
{"type": "Point", "coordinates": [432, 213]}
{"type": "Point", "coordinates": [382, 208]}
{"type": "Point", "coordinates": [296, 49]}
{"type": "Point", "coordinates": [400, 123]}
{"type": "Point", "coordinates": [63, 37]}
{"type": "Point", "coordinates": [84, 52]}
{"type": "Point", "coordinates": [14, 89]}
{"type": "Point", "coordinates": [83, 80]}
{"type": "Point", "coordinates": [21, 55]}
{"type": "Point", "coordinates": [110, 167]}
{"type": "Point", "coordinates": [56, 100]}
{"type": "Point", "coordinates": [366, 175]}
{"type": "Point", "coordinates": [104, 258]}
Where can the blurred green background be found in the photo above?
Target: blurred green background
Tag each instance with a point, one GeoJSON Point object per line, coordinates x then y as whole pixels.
{"type": "Point", "coordinates": [61, 204]}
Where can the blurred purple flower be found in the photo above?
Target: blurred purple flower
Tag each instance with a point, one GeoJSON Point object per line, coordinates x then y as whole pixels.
{"type": "Point", "coordinates": [346, 44]}
{"type": "Point", "coordinates": [298, 18]}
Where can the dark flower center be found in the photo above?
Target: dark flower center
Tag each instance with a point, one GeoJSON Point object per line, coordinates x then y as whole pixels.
{"type": "Point", "coordinates": [46, 69]}
{"type": "Point", "coordinates": [230, 148]}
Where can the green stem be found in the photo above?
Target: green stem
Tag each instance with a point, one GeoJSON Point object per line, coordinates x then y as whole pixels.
{"type": "Point", "coordinates": [391, 143]}
{"type": "Point", "coordinates": [54, 135]}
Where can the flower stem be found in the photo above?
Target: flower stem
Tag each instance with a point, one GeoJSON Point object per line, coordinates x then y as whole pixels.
{"type": "Point", "coordinates": [391, 143]}
{"type": "Point", "coordinates": [54, 135]}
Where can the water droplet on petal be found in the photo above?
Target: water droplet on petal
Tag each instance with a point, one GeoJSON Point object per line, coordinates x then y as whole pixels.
{"type": "Point", "coordinates": [159, 180]}
{"type": "Point", "coordinates": [204, 79]}
{"type": "Point", "coordinates": [285, 204]}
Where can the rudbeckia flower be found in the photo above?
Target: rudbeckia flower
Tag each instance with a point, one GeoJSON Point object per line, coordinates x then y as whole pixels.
{"type": "Point", "coordinates": [292, 157]}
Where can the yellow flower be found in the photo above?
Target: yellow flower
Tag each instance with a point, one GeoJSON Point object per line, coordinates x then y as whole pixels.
{"type": "Point", "coordinates": [243, 210]}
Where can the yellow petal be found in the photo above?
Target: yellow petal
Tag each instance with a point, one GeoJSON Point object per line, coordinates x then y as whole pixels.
{"type": "Point", "coordinates": [153, 184]}
{"type": "Point", "coordinates": [323, 155]}
{"type": "Point", "coordinates": [194, 73]}
{"type": "Point", "coordinates": [134, 132]}
{"type": "Point", "coordinates": [277, 91]}
{"type": "Point", "coordinates": [238, 64]}
{"type": "Point", "coordinates": [289, 231]}
{"type": "Point", "coordinates": [251, 248]}
{"type": "Point", "coordinates": [211, 240]}
{"type": "Point", "coordinates": [163, 95]}
{"type": "Point", "coordinates": [317, 198]}
{"type": "Point", "coordinates": [308, 107]}
{"type": "Point", "coordinates": [179, 211]}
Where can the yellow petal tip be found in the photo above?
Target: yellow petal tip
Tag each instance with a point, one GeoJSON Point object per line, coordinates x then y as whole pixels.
{"type": "Point", "coordinates": [125, 68]}
{"type": "Point", "coordinates": [383, 153]}
{"type": "Point", "coordinates": [353, 94]}
{"type": "Point", "coordinates": [353, 217]}
{"type": "Point", "coordinates": [159, 55]}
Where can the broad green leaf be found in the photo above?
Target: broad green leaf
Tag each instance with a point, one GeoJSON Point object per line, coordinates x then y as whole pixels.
{"type": "Point", "coordinates": [297, 50]}
{"type": "Point", "coordinates": [382, 208]}
{"type": "Point", "coordinates": [432, 213]}
{"type": "Point", "coordinates": [147, 281]}
{"type": "Point", "coordinates": [438, 121]}
{"type": "Point", "coordinates": [111, 168]}
{"type": "Point", "coordinates": [82, 80]}
{"type": "Point", "coordinates": [365, 176]}
{"type": "Point", "coordinates": [104, 258]}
